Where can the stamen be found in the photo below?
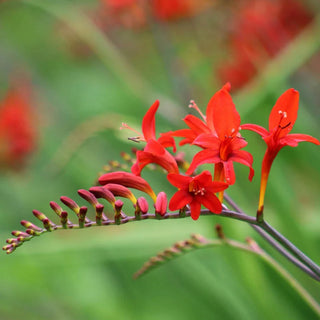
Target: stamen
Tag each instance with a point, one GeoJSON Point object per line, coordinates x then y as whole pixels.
{"type": "Point", "coordinates": [125, 126]}
{"type": "Point", "coordinates": [286, 126]}
{"type": "Point", "coordinates": [193, 105]}
{"type": "Point", "coordinates": [135, 139]}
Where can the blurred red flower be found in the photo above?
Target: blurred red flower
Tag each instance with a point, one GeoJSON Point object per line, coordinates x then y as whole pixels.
{"type": "Point", "coordinates": [260, 29]}
{"type": "Point", "coordinates": [17, 132]}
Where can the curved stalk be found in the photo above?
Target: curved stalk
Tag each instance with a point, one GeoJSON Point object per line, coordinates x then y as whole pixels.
{"type": "Point", "coordinates": [275, 244]}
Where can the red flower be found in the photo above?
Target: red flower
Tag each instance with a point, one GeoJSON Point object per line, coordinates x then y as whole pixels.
{"type": "Point", "coordinates": [196, 191]}
{"type": "Point", "coordinates": [257, 37]}
{"type": "Point", "coordinates": [17, 134]}
{"type": "Point", "coordinates": [154, 151]}
{"type": "Point", "coordinates": [220, 138]}
{"type": "Point", "coordinates": [281, 121]}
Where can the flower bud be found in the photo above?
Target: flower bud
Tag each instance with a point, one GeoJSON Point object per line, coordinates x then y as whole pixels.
{"type": "Point", "coordinates": [161, 204]}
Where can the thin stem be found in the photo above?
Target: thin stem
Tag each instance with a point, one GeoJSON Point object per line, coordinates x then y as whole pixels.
{"type": "Point", "coordinates": [291, 280]}
{"type": "Point", "coordinates": [292, 248]}
{"type": "Point", "coordinates": [274, 243]}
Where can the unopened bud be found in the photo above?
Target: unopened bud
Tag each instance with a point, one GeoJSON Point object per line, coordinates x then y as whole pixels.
{"type": "Point", "coordinates": [56, 208]}
{"type": "Point", "coordinates": [118, 207]}
{"type": "Point", "coordinates": [70, 204]}
{"type": "Point", "coordinates": [29, 225]}
{"type": "Point", "coordinates": [161, 204]}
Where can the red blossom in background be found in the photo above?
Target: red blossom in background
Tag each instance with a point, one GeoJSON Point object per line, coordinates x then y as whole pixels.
{"type": "Point", "coordinates": [135, 13]}
{"type": "Point", "coordinates": [154, 151]}
{"type": "Point", "coordinates": [260, 29]}
{"type": "Point", "coordinates": [281, 121]}
{"type": "Point", "coordinates": [17, 133]}
{"type": "Point", "coordinates": [196, 191]}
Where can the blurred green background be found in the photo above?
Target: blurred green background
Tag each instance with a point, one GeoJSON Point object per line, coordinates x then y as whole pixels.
{"type": "Point", "coordinates": [86, 81]}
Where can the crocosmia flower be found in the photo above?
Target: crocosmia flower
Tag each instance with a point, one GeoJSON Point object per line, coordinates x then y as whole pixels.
{"type": "Point", "coordinates": [155, 149]}
{"type": "Point", "coordinates": [281, 121]}
{"type": "Point", "coordinates": [218, 134]}
{"type": "Point", "coordinates": [17, 134]}
{"type": "Point", "coordinates": [196, 191]}
{"type": "Point", "coordinates": [256, 37]}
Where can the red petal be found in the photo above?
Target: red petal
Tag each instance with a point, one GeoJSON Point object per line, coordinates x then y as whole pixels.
{"type": "Point", "coordinates": [294, 138]}
{"type": "Point", "coordinates": [204, 178]}
{"type": "Point", "coordinates": [204, 156]}
{"type": "Point", "coordinates": [179, 180]}
{"type": "Point", "coordinates": [229, 172]}
{"type": "Point", "coordinates": [165, 160]}
{"type": "Point", "coordinates": [285, 112]}
{"type": "Point", "coordinates": [217, 186]}
{"type": "Point", "coordinates": [154, 147]}
{"type": "Point", "coordinates": [196, 125]}
{"type": "Point", "coordinates": [222, 114]}
{"type": "Point", "coordinates": [253, 127]}
{"type": "Point", "coordinates": [179, 200]}
{"type": "Point", "coordinates": [166, 140]}
{"type": "Point", "coordinates": [195, 208]}
{"type": "Point", "coordinates": [188, 134]}
{"type": "Point", "coordinates": [245, 158]}
{"type": "Point", "coordinates": [207, 140]}
{"type": "Point", "coordinates": [148, 122]}
{"type": "Point", "coordinates": [211, 202]}
{"type": "Point", "coordinates": [237, 143]}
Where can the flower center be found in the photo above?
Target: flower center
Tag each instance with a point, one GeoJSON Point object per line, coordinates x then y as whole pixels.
{"type": "Point", "coordinates": [196, 189]}
{"type": "Point", "coordinates": [226, 148]}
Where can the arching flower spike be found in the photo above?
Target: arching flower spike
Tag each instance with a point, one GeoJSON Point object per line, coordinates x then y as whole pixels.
{"type": "Point", "coordinates": [196, 191]}
{"type": "Point", "coordinates": [281, 121]}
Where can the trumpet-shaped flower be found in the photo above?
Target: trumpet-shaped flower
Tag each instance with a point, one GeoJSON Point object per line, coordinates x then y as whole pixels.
{"type": "Point", "coordinates": [155, 149]}
{"type": "Point", "coordinates": [281, 121]}
{"type": "Point", "coordinates": [196, 191]}
{"type": "Point", "coordinates": [219, 136]}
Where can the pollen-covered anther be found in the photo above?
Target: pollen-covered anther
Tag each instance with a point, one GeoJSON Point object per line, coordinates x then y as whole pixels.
{"type": "Point", "coordinates": [161, 204]}
{"type": "Point", "coordinates": [201, 191]}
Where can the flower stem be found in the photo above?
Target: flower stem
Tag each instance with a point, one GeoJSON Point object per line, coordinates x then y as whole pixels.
{"type": "Point", "coordinates": [275, 244]}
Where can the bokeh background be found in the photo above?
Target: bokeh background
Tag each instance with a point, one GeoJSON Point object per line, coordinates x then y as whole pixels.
{"type": "Point", "coordinates": [75, 71]}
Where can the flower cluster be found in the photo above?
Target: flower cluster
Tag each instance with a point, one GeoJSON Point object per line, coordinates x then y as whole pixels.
{"type": "Point", "coordinates": [256, 37]}
{"type": "Point", "coordinates": [137, 13]}
{"type": "Point", "coordinates": [216, 133]}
